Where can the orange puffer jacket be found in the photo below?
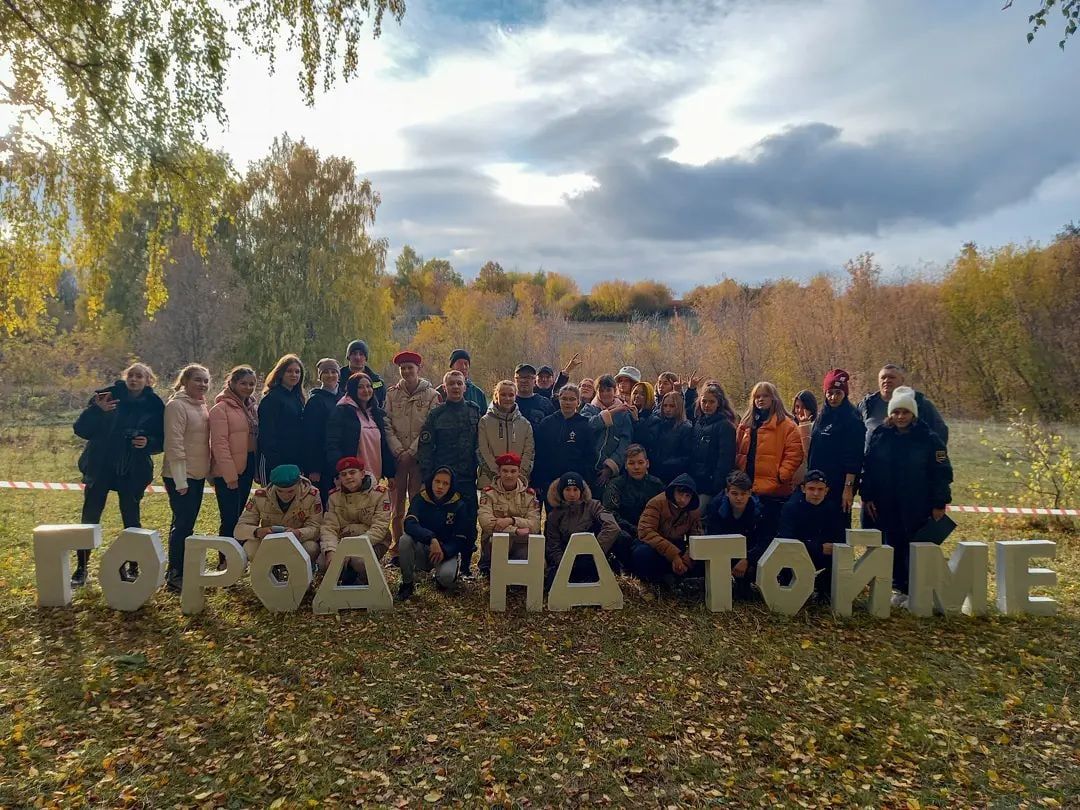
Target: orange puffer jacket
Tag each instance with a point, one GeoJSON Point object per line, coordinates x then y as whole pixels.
{"type": "Point", "coordinates": [778, 455]}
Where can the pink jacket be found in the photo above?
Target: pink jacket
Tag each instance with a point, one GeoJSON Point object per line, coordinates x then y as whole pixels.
{"type": "Point", "coordinates": [229, 438]}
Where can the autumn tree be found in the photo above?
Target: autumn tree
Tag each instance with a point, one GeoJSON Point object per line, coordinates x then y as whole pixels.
{"type": "Point", "coordinates": [312, 272]}
{"type": "Point", "coordinates": [111, 101]}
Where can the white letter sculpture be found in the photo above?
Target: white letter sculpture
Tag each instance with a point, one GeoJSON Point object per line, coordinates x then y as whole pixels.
{"type": "Point", "coordinates": [784, 553]}
{"type": "Point", "coordinates": [281, 549]}
{"type": "Point", "coordinates": [945, 586]}
{"type": "Point", "coordinates": [565, 594]}
{"type": "Point", "coordinates": [1015, 579]}
{"type": "Point", "coordinates": [719, 552]}
{"type": "Point", "coordinates": [142, 546]}
{"type": "Point", "coordinates": [197, 579]}
{"type": "Point", "coordinates": [506, 572]}
{"type": "Point", "coordinates": [874, 568]}
{"type": "Point", "coordinates": [53, 545]}
{"type": "Point", "coordinates": [332, 597]}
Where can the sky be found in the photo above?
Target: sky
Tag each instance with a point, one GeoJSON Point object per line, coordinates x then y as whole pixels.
{"type": "Point", "coordinates": [689, 140]}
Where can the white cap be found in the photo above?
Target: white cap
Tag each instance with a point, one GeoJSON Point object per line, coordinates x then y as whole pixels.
{"type": "Point", "coordinates": [631, 372]}
{"type": "Point", "coordinates": [904, 397]}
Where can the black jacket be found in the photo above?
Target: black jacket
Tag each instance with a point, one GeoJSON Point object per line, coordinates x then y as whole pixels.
{"type": "Point", "coordinates": [449, 438]}
{"type": "Point", "coordinates": [645, 427]}
{"type": "Point", "coordinates": [874, 410]}
{"type": "Point", "coordinates": [536, 408]}
{"type": "Point", "coordinates": [562, 445]}
{"type": "Point", "coordinates": [377, 384]}
{"type": "Point", "coordinates": [712, 452]}
{"type": "Point", "coordinates": [343, 437]}
{"type": "Point", "coordinates": [813, 525]}
{"type": "Point", "coordinates": [905, 475]}
{"type": "Point", "coordinates": [444, 520]}
{"type": "Point", "coordinates": [108, 455]}
{"type": "Point", "coordinates": [719, 519]}
{"type": "Point", "coordinates": [281, 436]}
{"type": "Point", "coordinates": [320, 405]}
{"type": "Point", "coordinates": [670, 454]}
{"type": "Point", "coordinates": [836, 445]}
{"type": "Point", "coordinates": [625, 498]}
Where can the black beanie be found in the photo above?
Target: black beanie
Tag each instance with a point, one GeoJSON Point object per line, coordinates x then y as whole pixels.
{"type": "Point", "coordinates": [571, 479]}
{"type": "Point", "coordinates": [357, 345]}
{"type": "Point", "coordinates": [459, 354]}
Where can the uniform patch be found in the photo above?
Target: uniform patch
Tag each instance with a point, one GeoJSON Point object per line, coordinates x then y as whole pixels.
{"type": "Point", "coordinates": [318, 507]}
{"type": "Point", "coordinates": [484, 500]}
{"type": "Point", "coordinates": [386, 506]}
{"type": "Point", "coordinates": [942, 456]}
{"type": "Point", "coordinates": [425, 436]}
{"type": "Point", "coordinates": [260, 492]}
{"type": "Point", "coordinates": [250, 504]}
{"type": "Point", "coordinates": [450, 519]}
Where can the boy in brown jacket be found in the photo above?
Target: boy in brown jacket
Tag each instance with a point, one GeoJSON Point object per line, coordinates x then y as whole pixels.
{"type": "Point", "coordinates": [573, 509]}
{"type": "Point", "coordinates": [663, 551]}
{"type": "Point", "coordinates": [508, 505]}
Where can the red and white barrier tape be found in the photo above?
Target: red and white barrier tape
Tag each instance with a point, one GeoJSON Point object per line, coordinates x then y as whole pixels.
{"type": "Point", "coordinates": [979, 510]}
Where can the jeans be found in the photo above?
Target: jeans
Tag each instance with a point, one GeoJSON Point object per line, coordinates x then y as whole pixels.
{"type": "Point", "coordinates": [413, 555]}
{"type": "Point", "coordinates": [652, 566]}
{"type": "Point", "coordinates": [185, 512]}
{"type": "Point", "coordinates": [231, 502]}
{"type": "Point", "coordinates": [94, 497]}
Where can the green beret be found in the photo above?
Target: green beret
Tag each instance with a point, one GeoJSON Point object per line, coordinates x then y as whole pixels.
{"type": "Point", "coordinates": [284, 475]}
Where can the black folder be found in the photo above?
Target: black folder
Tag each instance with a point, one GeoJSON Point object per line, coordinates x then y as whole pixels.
{"type": "Point", "coordinates": [935, 531]}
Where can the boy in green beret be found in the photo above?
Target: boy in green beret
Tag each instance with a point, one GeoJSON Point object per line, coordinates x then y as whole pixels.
{"type": "Point", "coordinates": [291, 503]}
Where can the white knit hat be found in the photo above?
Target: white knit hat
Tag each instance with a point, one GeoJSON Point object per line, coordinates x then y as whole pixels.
{"type": "Point", "coordinates": [904, 397]}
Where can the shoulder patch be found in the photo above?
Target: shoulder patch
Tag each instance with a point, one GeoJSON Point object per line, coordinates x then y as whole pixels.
{"type": "Point", "coordinates": [318, 506]}
{"type": "Point", "coordinates": [380, 488]}
{"type": "Point", "coordinates": [942, 456]}
{"type": "Point", "coordinates": [250, 504]}
{"type": "Point", "coordinates": [531, 491]}
{"type": "Point", "coordinates": [488, 489]}
{"type": "Point", "coordinates": [261, 492]}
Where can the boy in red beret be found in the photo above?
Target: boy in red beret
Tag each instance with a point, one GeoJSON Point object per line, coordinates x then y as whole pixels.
{"type": "Point", "coordinates": [358, 505]}
{"type": "Point", "coordinates": [508, 505]}
{"type": "Point", "coordinates": [408, 402]}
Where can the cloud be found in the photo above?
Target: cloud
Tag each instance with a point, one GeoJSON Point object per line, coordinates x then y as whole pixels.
{"type": "Point", "coordinates": [695, 139]}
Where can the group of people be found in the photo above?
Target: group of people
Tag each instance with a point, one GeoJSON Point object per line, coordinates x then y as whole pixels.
{"type": "Point", "coordinates": [430, 473]}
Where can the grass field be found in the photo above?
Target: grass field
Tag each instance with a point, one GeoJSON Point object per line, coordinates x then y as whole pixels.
{"type": "Point", "coordinates": [442, 702]}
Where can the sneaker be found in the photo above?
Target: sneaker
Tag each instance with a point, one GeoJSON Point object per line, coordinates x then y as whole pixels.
{"type": "Point", "coordinates": [394, 562]}
{"type": "Point", "coordinates": [126, 574]}
{"type": "Point", "coordinates": [78, 579]}
{"type": "Point", "coordinates": [899, 600]}
{"type": "Point", "coordinates": [221, 562]}
{"type": "Point", "coordinates": [174, 583]}
{"type": "Point", "coordinates": [405, 591]}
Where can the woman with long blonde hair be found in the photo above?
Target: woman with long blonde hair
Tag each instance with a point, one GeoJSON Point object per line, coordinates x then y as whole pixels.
{"type": "Point", "coordinates": [187, 461]}
{"type": "Point", "coordinates": [769, 449]}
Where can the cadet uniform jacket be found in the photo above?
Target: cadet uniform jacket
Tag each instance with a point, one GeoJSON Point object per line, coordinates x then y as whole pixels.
{"type": "Point", "coordinates": [351, 514]}
{"type": "Point", "coordinates": [406, 413]}
{"type": "Point", "coordinates": [303, 516]}
{"type": "Point", "coordinates": [519, 503]}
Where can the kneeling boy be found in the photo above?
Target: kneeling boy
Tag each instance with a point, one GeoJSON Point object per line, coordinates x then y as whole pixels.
{"type": "Point", "coordinates": [668, 520]}
{"type": "Point", "coordinates": [626, 495]}
{"type": "Point", "coordinates": [737, 511]}
{"type": "Point", "coordinates": [359, 505]}
{"type": "Point", "coordinates": [808, 516]}
{"type": "Point", "coordinates": [573, 509]}
{"type": "Point", "coordinates": [508, 505]}
{"type": "Point", "coordinates": [435, 534]}
{"type": "Point", "coordinates": [290, 504]}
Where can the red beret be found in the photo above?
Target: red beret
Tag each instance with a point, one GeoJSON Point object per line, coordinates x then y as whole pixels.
{"type": "Point", "coordinates": [407, 357]}
{"type": "Point", "coordinates": [508, 458]}
{"type": "Point", "coordinates": [350, 463]}
{"type": "Point", "coordinates": [837, 378]}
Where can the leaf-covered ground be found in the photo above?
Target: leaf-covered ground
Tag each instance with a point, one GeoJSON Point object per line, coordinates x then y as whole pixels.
{"type": "Point", "coordinates": [443, 702]}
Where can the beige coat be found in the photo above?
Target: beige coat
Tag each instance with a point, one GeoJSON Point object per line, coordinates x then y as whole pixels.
{"type": "Point", "coordinates": [303, 517]}
{"type": "Point", "coordinates": [519, 503]}
{"type": "Point", "coordinates": [187, 439]}
{"type": "Point", "coordinates": [230, 438]}
{"type": "Point", "coordinates": [406, 413]}
{"type": "Point", "coordinates": [351, 514]}
{"type": "Point", "coordinates": [500, 433]}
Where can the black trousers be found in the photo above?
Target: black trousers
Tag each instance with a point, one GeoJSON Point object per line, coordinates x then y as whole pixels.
{"type": "Point", "coordinates": [95, 495]}
{"type": "Point", "coordinates": [467, 491]}
{"type": "Point", "coordinates": [231, 502]}
{"type": "Point", "coordinates": [185, 512]}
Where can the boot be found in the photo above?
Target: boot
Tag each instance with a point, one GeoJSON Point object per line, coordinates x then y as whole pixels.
{"type": "Point", "coordinates": [404, 592]}
{"type": "Point", "coordinates": [78, 579]}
